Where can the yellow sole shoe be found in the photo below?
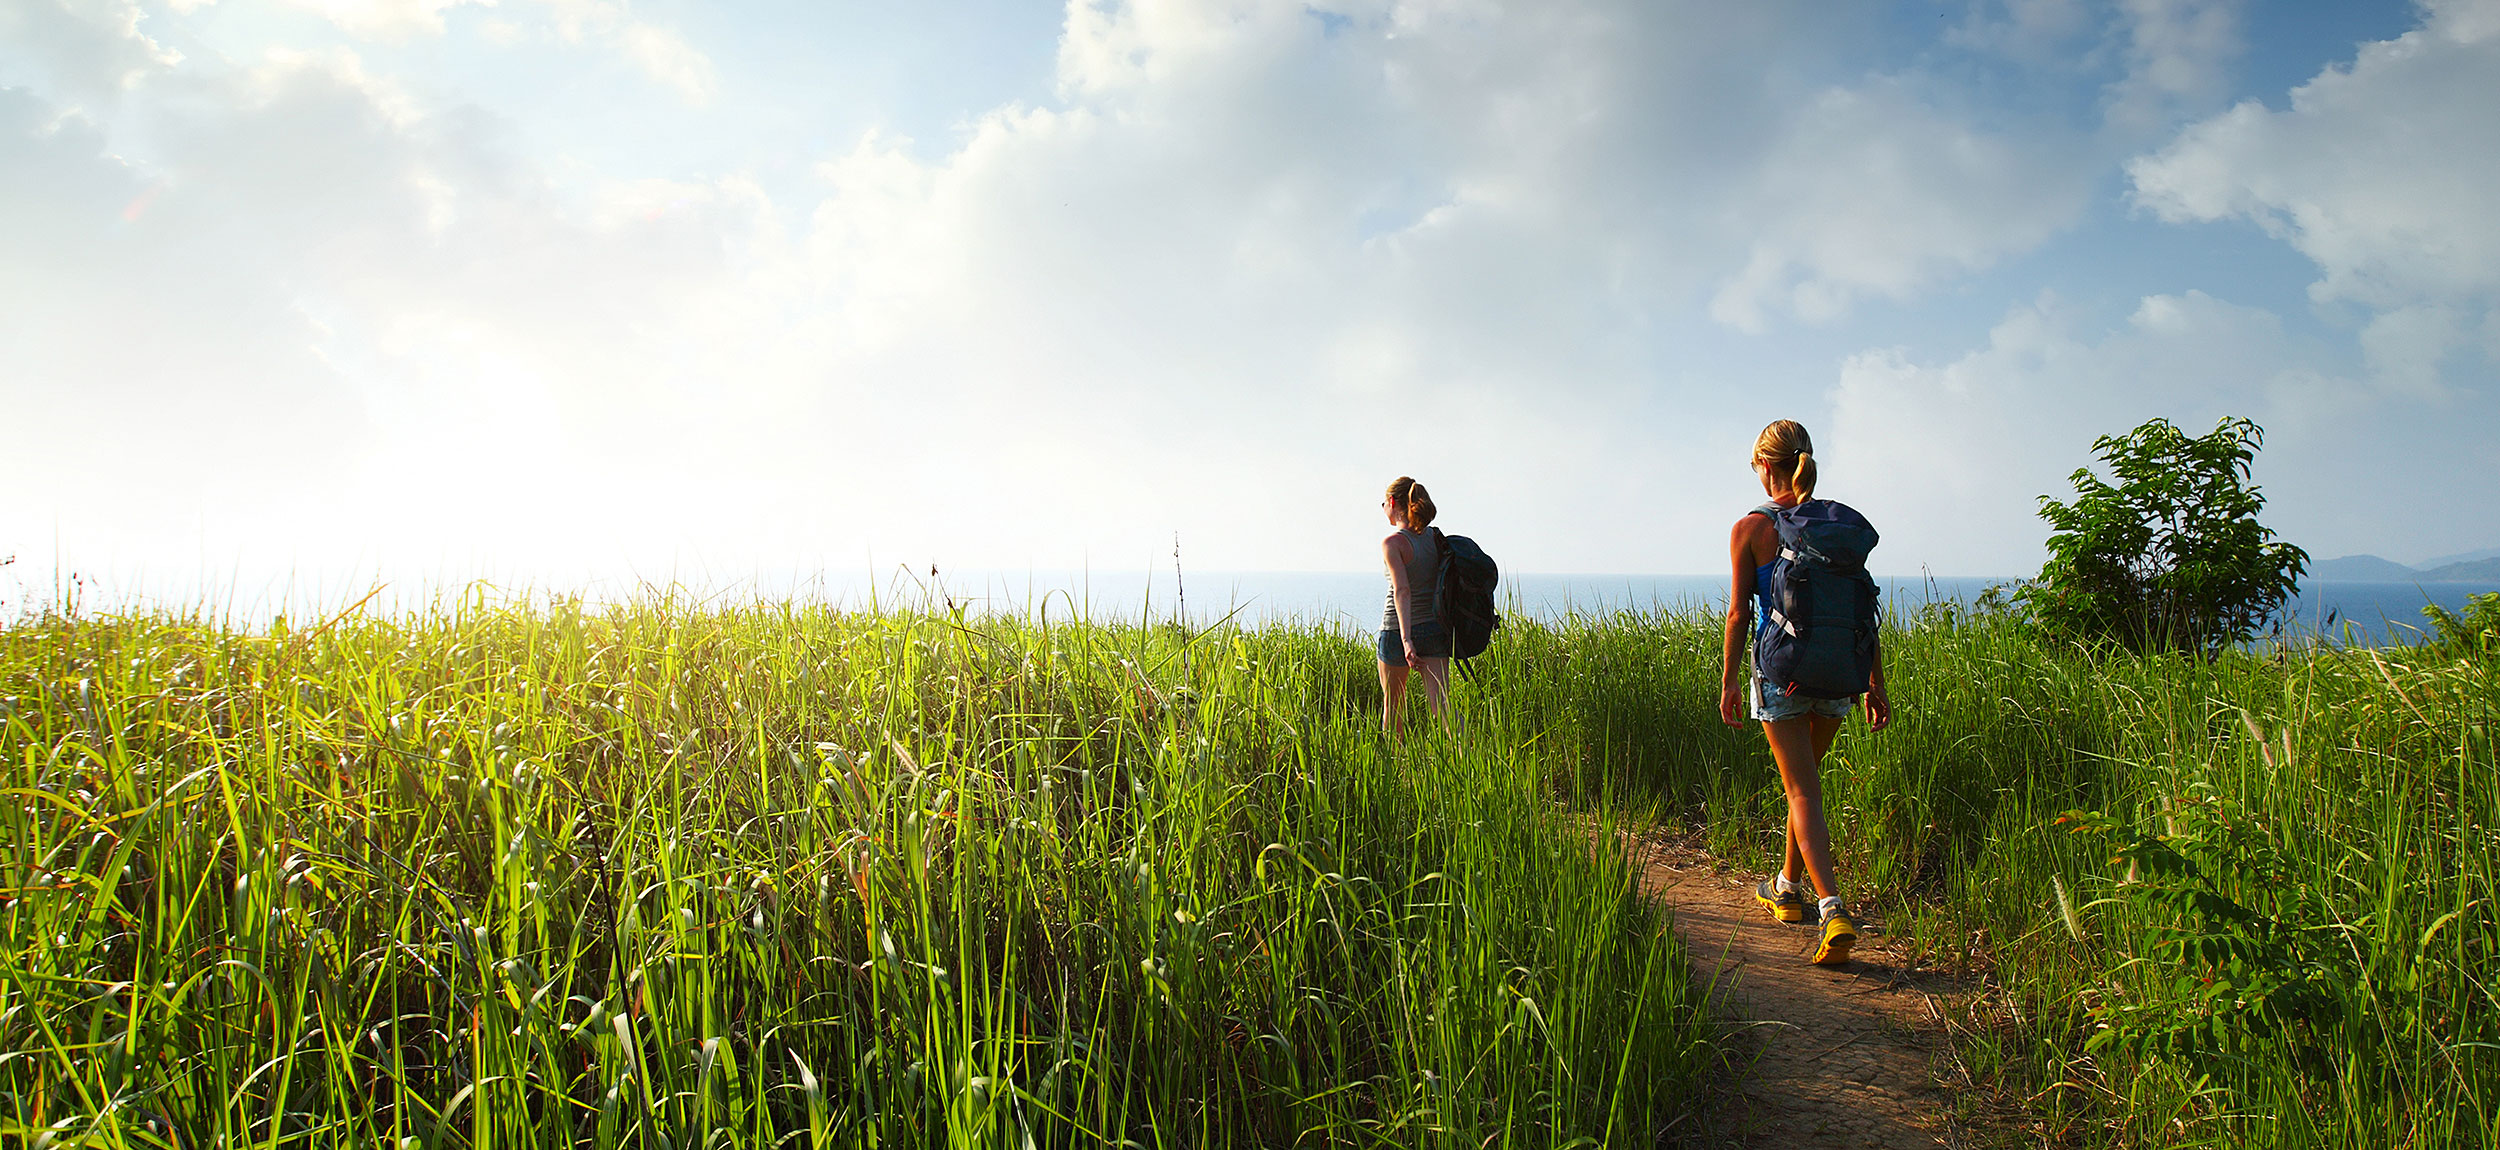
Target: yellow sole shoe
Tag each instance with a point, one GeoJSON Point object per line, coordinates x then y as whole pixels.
{"type": "Point", "coordinates": [1786, 906]}
{"type": "Point", "coordinates": [1840, 933]}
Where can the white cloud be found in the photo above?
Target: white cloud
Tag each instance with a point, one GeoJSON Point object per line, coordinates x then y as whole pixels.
{"type": "Point", "coordinates": [1183, 299]}
{"type": "Point", "coordinates": [2407, 348]}
{"type": "Point", "coordinates": [662, 54]}
{"type": "Point", "coordinates": [1949, 459]}
{"type": "Point", "coordinates": [659, 53]}
{"type": "Point", "coordinates": [666, 57]}
{"type": "Point", "coordinates": [2380, 172]}
{"type": "Point", "coordinates": [88, 53]}
{"type": "Point", "coordinates": [2178, 53]}
{"type": "Point", "coordinates": [1889, 186]}
{"type": "Point", "coordinates": [317, 304]}
{"type": "Point", "coordinates": [1871, 192]}
{"type": "Point", "coordinates": [2033, 31]}
{"type": "Point", "coordinates": [1254, 260]}
{"type": "Point", "coordinates": [283, 71]}
{"type": "Point", "coordinates": [2465, 21]}
{"type": "Point", "coordinates": [578, 19]}
{"type": "Point", "coordinates": [384, 19]}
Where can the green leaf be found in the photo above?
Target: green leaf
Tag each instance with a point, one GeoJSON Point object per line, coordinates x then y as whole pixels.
{"type": "Point", "coordinates": [2171, 557]}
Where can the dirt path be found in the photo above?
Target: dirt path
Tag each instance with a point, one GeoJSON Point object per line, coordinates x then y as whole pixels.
{"type": "Point", "coordinates": [1840, 1056]}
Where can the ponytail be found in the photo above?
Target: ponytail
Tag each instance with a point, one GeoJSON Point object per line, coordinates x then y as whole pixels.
{"type": "Point", "coordinates": [1788, 451]}
{"type": "Point", "coordinates": [1416, 502]}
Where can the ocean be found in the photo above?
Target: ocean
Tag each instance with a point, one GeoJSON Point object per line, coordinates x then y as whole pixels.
{"type": "Point", "coordinates": [2369, 614]}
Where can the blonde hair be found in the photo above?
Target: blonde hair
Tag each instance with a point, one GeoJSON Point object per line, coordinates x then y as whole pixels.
{"type": "Point", "coordinates": [1405, 493]}
{"type": "Point", "coordinates": [1788, 451]}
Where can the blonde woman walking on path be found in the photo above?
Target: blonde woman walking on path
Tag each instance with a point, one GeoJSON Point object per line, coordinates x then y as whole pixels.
{"type": "Point", "coordinates": [1801, 724]}
{"type": "Point", "coordinates": [1411, 635]}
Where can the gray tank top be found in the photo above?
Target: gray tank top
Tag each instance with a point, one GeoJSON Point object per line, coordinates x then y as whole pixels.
{"type": "Point", "coordinates": [1423, 583]}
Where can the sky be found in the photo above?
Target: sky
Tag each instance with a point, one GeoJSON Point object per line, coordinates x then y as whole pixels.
{"type": "Point", "coordinates": [572, 291]}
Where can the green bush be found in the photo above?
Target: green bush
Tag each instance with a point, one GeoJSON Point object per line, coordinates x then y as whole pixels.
{"type": "Point", "coordinates": [2171, 556]}
{"type": "Point", "coordinates": [2242, 957]}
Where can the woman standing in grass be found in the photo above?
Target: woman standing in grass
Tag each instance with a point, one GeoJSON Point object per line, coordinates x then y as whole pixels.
{"type": "Point", "coordinates": [1800, 729]}
{"type": "Point", "coordinates": [1411, 635]}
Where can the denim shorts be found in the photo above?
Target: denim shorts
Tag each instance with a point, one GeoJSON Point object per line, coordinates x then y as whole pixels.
{"type": "Point", "coordinates": [1431, 642]}
{"type": "Point", "coordinates": [1772, 708]}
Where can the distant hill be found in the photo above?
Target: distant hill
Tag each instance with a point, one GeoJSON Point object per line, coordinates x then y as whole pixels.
{"type": "Point", "coordinates": [2436, 562]}
{"type": "Point", "coordinates": [2473, 571]}
{"type": "Point", "coordinates": [2372, 569]}
{"type": "Point", "coordinates": [2363, 569]}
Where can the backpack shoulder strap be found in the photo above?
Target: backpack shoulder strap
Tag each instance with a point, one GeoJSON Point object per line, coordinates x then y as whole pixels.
{"type": "Point", "coordinates": [1784, 526]}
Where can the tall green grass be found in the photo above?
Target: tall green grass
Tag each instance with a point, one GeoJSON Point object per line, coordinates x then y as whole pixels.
{"type": "Point", "coordinates": [777, 874]}
{"type": "Point", "coordinates": [658, 875]}
{"type": "Point", "coordinates": [2347, 801]}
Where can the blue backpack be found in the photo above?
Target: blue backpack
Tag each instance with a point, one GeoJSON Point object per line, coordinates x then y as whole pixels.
{"type": "Point", "coordinates": [1818, 638]}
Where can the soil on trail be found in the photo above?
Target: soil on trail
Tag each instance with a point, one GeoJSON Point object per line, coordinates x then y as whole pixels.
{"type": "Point", "coordinates": [1825, 1056]}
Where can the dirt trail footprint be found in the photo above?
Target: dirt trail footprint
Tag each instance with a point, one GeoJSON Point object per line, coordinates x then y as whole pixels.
{"type": "Point", "coordinates": [1841, 1056]}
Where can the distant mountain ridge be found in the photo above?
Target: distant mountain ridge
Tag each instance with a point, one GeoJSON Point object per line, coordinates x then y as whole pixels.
{"type": "Point", "coordinates": [2362, 569]}
{"type": "Point", "coordinates": [2483, 567]}
{"type": "Point", "coordinates": [2473, 571]}
{"type": "Point", "coordinates": [2436, 562]}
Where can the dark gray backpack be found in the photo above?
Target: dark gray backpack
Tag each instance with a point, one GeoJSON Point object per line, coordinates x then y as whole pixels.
{"type": "Point", "coordinates": [1468, 577]}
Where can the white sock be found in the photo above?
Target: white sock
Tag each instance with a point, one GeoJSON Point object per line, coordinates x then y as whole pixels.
{"type": "Point", "coordinates": [1783, 886]}
{"type": "Point", "coordinates": [1828, 904]}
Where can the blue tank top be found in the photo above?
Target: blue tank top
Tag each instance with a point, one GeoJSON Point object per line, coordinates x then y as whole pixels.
{"type": "Point", "coordinates": [1762, 583]}
{"type": "Point", "coordinates": [1762, 599]}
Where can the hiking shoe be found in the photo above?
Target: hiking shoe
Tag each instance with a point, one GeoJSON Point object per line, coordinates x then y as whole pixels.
{"type": "Point", "coordinates": [1840, 932]}
{"type": "Point", "coordinates": [1785, 905]}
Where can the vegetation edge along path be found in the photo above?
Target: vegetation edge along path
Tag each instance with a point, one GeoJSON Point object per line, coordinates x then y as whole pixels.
{"type": "Point", "coordinates": [1853, 1056]}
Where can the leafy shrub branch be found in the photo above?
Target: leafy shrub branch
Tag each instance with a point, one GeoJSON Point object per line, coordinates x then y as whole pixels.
{"type": "Point", "coordinates": [2170, 556]}
{"type": "Point", "coordinates": [2239, 959]}
{"type": "Point", "coordinates": [2474, 631]}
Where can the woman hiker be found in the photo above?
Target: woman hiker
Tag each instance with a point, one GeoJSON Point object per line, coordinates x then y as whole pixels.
{"type": "Point", "coordinates": [1800, 729]}
{"type": "Point", "coordinates": [1411, 635]}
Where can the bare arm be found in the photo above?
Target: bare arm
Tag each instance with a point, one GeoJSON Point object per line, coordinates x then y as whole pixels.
{"type": "Point", "coordinates": [1394, 551]}
{"type": "Point", "coordinates": [1878, 702]}
{"type": "Point", "coordinates": [1742, 543]}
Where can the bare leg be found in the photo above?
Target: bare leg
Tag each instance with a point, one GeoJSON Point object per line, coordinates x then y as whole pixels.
{"type": "Point", "coordinates": [1798, 746]}
{"type": "Point", "coordinates": [1393, 699]}
{"type": "Point", "coordinates": [1793, 867]}
{"type": "Point", "coordinates": [1436, 676]}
